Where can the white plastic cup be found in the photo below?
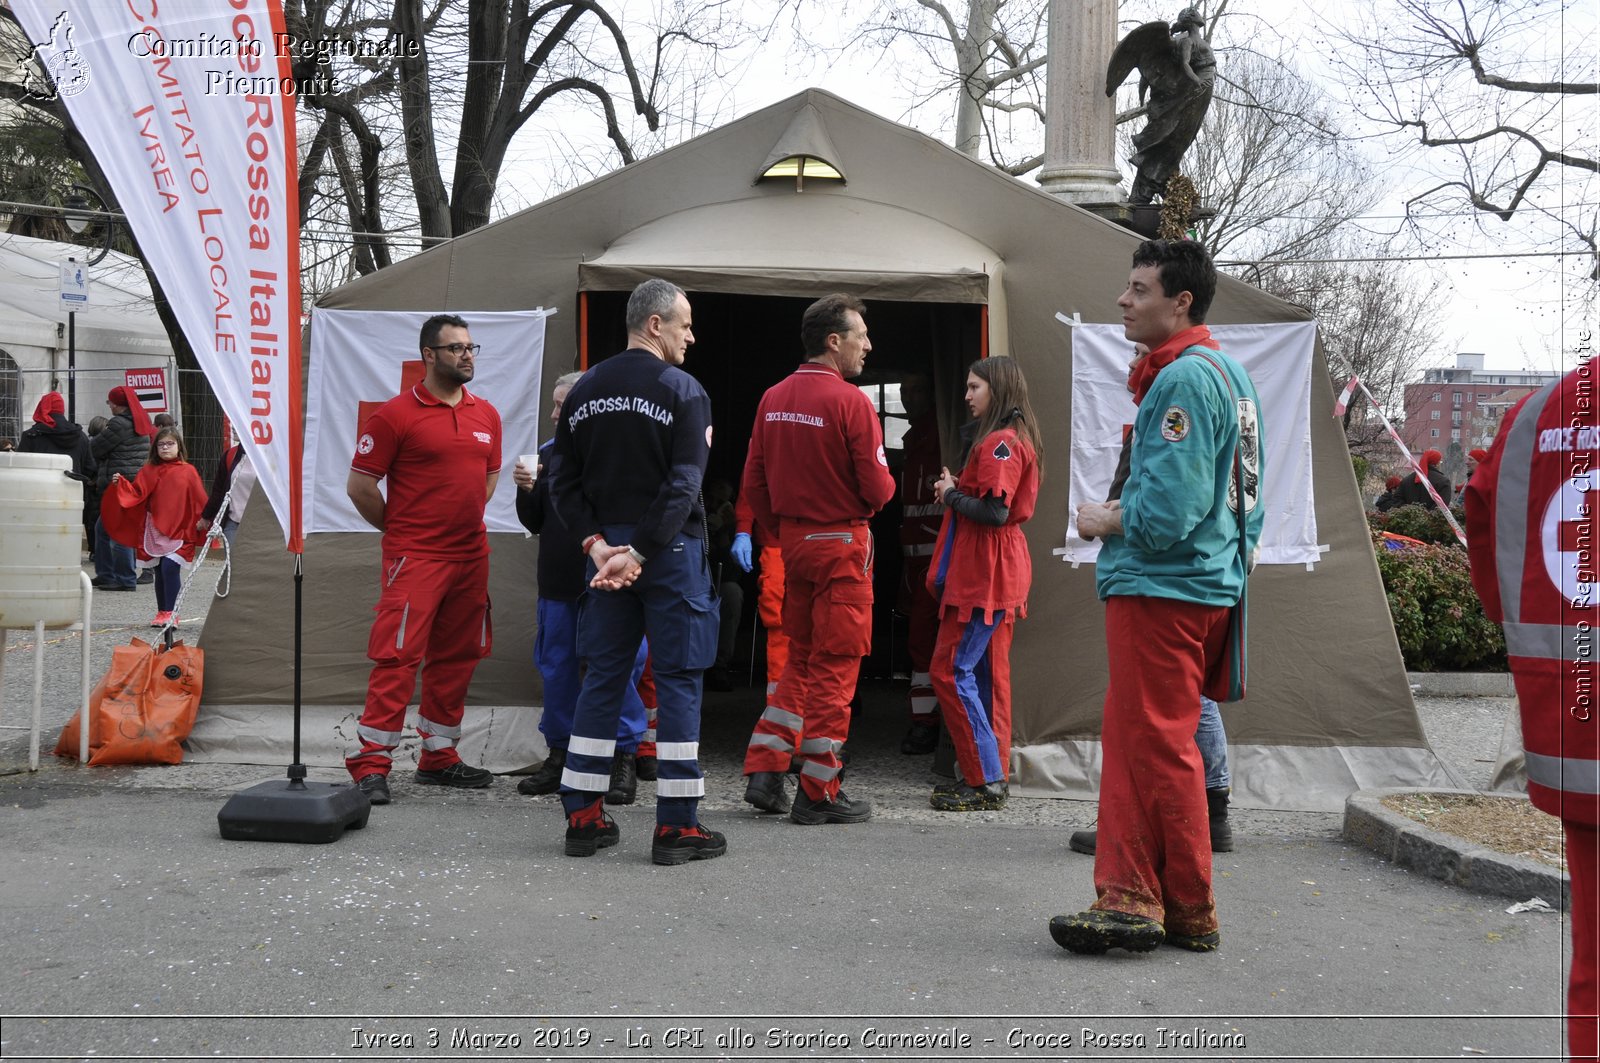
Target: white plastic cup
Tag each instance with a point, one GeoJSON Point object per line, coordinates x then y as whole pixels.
{"type": "Point", "coordinates": [531, 463]}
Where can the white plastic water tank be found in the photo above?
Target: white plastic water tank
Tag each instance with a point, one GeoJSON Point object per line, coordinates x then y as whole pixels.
{"type": "Point", "coordinates": [41, 527]}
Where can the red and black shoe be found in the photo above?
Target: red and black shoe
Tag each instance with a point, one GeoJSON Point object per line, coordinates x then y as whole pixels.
{"type": "Point", "coordinates": [589, 830]}
{"type": "Point", "coordinates": [679, 845]}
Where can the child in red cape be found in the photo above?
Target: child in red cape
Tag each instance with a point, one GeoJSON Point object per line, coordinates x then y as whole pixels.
{"type": "Point", "coordinates": [156, 514]}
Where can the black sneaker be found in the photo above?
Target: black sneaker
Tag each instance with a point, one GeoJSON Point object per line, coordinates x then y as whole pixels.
{"type": "Point", "coordinates": [589, 830]}
{"type": "Point", "coordinates": [989, 797]}
{"type": "Point", "coordinates": [920, 739]}
{"type": "Point", "coordinates": [1083, 841]}
{"type": "Point", "coordinates": [841, 809]}
{"type": "Point", "coordinates": [375, 786]}
{"type": "Point", "coordinates": [1196, 942]}
{"type": "Point", "coordinates": [547, 779]}
{"type": "Point", "coordinates": [767, 792]}
{"type": "Point", "coordinates": [148, 576]}
{"type": "Point", "coordinates": [624, 780]}
{"type": "Point", "coordinates": [461, 776]}
{"type": "Point", "coordinates": [679, 845]}
{"type": "Point", "coordinates": [1092, 932]}
{"type": "Point", "coordinates": [644, 766]}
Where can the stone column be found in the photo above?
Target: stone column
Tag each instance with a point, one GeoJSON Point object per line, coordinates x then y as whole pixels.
{"type": "Point", "coordinates": [1080, 124]}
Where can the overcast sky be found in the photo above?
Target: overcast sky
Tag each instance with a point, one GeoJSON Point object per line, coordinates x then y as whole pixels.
{"type": "Point", "coordinates": [1514, 310]}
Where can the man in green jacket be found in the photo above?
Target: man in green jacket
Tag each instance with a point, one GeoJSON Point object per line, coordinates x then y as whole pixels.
{"type": "Point", "coordinates": [1170, 568]}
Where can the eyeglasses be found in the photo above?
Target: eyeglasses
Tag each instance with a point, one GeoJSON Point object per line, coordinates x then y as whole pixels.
{"type": "Point", "coordinates": [458, 349]}
{"type": "Point", "coordinates": [165, 443]}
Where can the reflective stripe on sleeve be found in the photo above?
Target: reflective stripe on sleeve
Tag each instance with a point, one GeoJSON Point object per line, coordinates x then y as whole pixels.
{"type": "Point", "coordinates": [1568, 774]}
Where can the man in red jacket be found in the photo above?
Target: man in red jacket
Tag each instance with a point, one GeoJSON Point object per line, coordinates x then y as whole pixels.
{"type": "Point", "coordinates": [1531, 540]}
{"type": "Point", "coordinates": [817, 472]}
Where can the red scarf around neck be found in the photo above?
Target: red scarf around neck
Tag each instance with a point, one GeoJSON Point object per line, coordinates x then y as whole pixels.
{"type": "Point", "coordinates": [1141, 379]}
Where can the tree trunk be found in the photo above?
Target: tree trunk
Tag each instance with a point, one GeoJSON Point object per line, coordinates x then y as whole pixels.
{"type": "Point", "coordinates": [416, 109]}
{"type": "Point", "coordinates": [971, 64]}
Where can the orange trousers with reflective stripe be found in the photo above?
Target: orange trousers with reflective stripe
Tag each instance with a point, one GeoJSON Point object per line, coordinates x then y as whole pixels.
{"type": "Point", "coordinates": [769, 605]}
{"type": "Point", "coordinates": [827, 614]}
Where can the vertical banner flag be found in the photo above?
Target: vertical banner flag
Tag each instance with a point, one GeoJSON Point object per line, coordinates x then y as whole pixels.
{"type": "Point", "coordinates": [188, 107]}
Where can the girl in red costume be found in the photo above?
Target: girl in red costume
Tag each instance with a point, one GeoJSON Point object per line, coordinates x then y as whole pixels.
{"type": "Point", "coordinates": [156, 514]}
{"type": "Point", "coordinates": [980, 577]}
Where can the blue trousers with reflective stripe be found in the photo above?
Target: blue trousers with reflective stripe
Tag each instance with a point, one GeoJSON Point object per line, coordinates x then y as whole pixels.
{"type": "Point", "coordinates": [671, 603]}
{"type": "Point", "coordinates": [555, 652]}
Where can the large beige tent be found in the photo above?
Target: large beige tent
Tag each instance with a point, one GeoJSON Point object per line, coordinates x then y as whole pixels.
{"type": "Point", "coordinates": [956, 261]}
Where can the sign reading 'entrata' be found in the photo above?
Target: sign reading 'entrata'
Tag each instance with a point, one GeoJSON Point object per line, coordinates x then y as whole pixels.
{"type": "Point", "coordinates": [151, 387]}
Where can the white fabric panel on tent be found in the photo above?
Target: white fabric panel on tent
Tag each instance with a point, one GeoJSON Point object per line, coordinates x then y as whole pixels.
{"type": "Point", "coordinates": [1278, 358]}
{"type": "Point", "coordinates": [356, 356]}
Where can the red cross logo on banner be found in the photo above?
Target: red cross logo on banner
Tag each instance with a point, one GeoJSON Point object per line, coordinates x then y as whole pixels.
{"type": "Point", "coordinates": [411, 374]}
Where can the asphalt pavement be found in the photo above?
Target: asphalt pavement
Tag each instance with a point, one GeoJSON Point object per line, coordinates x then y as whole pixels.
{"type": "Point", "coordinates": [452, 926]}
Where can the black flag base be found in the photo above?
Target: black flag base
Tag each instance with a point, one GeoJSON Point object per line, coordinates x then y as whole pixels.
{"type": "Point", "coordinates": [294, 810]}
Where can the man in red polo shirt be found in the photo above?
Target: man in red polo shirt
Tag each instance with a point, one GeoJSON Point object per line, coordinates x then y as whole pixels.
{"type": "Point", "coordinates": [438, 445]}
{"type": "Point", "coordinates": [816, 471]}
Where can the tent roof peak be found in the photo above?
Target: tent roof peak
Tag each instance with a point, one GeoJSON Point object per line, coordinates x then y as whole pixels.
{"type": "Point", "coordinates": [803, 150]}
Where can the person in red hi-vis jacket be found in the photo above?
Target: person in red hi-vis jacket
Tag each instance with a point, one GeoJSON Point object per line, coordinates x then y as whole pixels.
{"type": "Point", "coordinates": [817, 472]}
{"type": "Point", "coordinates": [980, 576]}
{"type": "Point", "coordinates": [1531, 529]}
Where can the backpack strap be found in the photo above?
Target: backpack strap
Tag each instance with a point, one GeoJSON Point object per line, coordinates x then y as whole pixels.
{"type": "Point", "coordinates": [1238, 458]}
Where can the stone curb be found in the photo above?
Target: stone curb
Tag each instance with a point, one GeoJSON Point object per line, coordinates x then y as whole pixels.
{"type": "Point", "coordinates": [1461, 684]}
{"type": "Point", "coordinates": [1397, 837]}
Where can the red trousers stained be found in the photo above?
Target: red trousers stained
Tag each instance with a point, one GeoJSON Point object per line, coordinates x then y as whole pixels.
{"type": "Point", "coordinates": [432, 615]}
{"type": "Point", "coordinates": [769, 604]}
{"type": "Point", "coordinates": [1154, 853]}
{"type": "Point", "coordinates": [1583, 864]}
{"type": "Point", "coordinates": [827, 614]}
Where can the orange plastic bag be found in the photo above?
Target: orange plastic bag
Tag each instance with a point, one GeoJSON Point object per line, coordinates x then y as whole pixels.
{"type": "Point", "coordinates": [143, 708]}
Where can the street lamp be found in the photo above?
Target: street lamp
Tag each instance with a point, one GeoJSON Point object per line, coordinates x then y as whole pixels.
{"type": "Point", "coordinates": [80, 213]}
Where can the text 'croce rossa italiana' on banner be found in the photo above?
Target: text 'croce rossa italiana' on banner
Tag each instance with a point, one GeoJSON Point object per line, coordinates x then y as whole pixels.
{"type": "Point", "coordinates": [188, 109]}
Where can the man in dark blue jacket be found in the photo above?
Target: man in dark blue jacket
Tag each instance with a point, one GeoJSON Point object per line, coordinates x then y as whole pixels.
{"type": "Point", "coordinates": [631, 451]}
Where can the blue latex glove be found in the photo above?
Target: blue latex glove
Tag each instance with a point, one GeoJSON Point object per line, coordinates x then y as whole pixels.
{"type": "Point", "coordinates": [741, 550]}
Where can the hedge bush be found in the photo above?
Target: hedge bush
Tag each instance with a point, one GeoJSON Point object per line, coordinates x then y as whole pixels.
{"type": "Point", "coordinates": [1437, 615]}
{"type": "Point", "coordinates": [1418, 522]}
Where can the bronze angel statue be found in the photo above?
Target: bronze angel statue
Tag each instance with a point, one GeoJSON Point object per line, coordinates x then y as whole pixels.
{"type": "Point", "coordinates": [1176, 70]}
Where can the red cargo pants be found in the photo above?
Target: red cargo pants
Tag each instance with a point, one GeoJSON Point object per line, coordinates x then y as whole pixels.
{"type": "Point", "coordinates": [827, 614]}
{"type": "Point", "coordinates": [1154, 853]}
{"type": "Point", "coordinates": [432, 615]}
